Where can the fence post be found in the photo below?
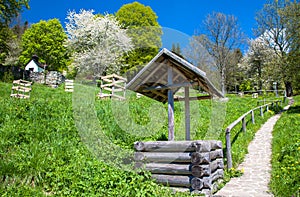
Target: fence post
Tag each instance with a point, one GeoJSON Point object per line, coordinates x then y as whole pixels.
{"type": "Point", "coordinates": [261, 111]}
{"type": "Point", "coordinates": [284, 97]}
{"type": "Point", "coordinates": [267, 107]}
{"type": "Point", "coordinates": [244, 124]}
{"type": "Point", "coordinates": [252, 117]}
{"type": "Point", "coordinates": [228, 149]}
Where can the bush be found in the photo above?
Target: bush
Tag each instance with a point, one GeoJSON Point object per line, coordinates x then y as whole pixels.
{"type": "Point", "coordinates": [246, 86]}
{"type": "Point", "coordinates": [7, 77]}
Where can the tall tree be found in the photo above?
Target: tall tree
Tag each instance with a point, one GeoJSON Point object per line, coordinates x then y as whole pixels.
{"type": "Point", "coordinates": [46, 40]}
{"type": "Point", "coordinates": [272, 29]}
{"type": "Point", "coordinates": [6, 35]}
{"type": "Point", "coordinates": [15, 43]}
{"type": "Point", "coordinates": [97, 43]}
{"type": "Point", "coordinates": [10, 9]}
{"type": "Point", "coordinates": [291, 17]}
{"type": "Point", "coordinates": [222, 36]}
{"type": "Point", "coordinates": [198, 55]}
{"type": "Point", "coordinates": [143, 29]}
{"type": "Point", "coordinates": [260, 64]}
{"type": "Point", "coordinates": [234, 73]}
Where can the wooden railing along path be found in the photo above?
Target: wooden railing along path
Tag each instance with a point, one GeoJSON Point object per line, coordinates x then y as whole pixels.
{"type": "Point", "coordinates": [243, 120]}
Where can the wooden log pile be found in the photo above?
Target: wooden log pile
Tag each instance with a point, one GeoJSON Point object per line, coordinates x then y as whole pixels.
{"type": "Point", "coordinates": [112, 86]}
{"type": "Point", "coordinates": [193, 165]}
{"type": "Point", "coordinates": [21, 89]}
{"type": "Point", "coordinates": [69, 85]}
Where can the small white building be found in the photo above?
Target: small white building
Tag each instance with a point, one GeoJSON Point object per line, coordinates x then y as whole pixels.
{"type": "Point", "coordinates": [34, 65]}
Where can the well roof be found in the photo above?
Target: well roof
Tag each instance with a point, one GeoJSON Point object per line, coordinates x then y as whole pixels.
{"type": "Point", "coordinates": [152, 80]}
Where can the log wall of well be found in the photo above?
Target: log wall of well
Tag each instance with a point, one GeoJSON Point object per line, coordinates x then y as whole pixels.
{"type": "Point", "coordinates": [183, 165]}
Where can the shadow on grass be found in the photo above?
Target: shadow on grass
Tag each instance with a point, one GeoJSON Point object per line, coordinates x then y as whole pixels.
{"type": "Point", "coordinates": [294, 110]}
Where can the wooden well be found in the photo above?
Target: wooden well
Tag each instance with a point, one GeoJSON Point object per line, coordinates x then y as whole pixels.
{"type": "Point", "coordinates": [183, 165]}
{"type": "Point", "coordinates": [165, 74]}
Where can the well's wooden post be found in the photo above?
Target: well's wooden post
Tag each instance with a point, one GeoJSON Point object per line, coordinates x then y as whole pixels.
{"type": "Point", "coordinates": [170, 105]}
{"type": "Point", "coordinates": [113, 86]}
{"type": "Point", "coordinates": [187, 113]}
{"type": "Point", "coordinates": [228, 149]}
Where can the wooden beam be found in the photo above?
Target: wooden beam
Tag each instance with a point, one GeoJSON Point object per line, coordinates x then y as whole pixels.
{"type": "Point", "coordinates": [179, 146]}
{"type": "Point", "coordinates": [187, 113]}
{"type": "Point", "coordinates": [163, 157]}
{"type": "Point", "coordinates": [201, 84]}
{"type": "Point", "coordinates": [171, 180]}
{"type": "Point", "coordinates": [160, 94]}
{"type": "Point", "coordinates": [164, 87]}
{"type": "Point", "coordinates": [166, 168]}
{"type": "Point", "coordinates": [171, 136]}
{"type": "Point", "coordinates": [153, 71]}
{"type": "Point", "coordinates": [193, 98]}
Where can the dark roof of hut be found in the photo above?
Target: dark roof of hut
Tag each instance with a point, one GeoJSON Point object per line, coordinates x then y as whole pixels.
{"type": "Point", "coordinates": [152, 80]}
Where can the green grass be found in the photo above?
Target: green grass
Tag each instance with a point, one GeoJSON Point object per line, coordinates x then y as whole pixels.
{"type": "Point", "coordinates": [49, 144]}
{"type": "Point", "coordinates": [285, 180]}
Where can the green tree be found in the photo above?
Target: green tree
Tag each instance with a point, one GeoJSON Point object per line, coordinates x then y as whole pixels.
{"type": "Point", "coordinates": [291, 16]}
{"type": "Point", "coordinates": [5, 37]}
{"type": "Point", "coordinates": [272, 29]}
{"type": "Point", "coordinates": [260, 64]}
{"type": "Point", "coordinates": [234, 74]}
{"type": "Point", "coordinates": [10, 9]}
{"type": "Point", "coordinates": [14, 43]}
{"type": "Point", "coordinates": [144, 31]}
{"type": "Point", "coordinates": [46, 40]}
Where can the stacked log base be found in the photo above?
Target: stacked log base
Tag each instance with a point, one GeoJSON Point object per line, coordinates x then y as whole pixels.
{"type": "Point", "coordinates": [189, 165]}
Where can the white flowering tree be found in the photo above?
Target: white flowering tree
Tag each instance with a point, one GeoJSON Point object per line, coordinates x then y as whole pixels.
{"type": "Point", "coordinates": [260, 63]}
{"type": "Point", "coordinates": [96, 42]}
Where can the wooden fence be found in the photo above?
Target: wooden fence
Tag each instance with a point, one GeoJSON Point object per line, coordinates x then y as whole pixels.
{"type": "Point", "coordinates": [260, 92]}
{"type": "Point", "coordinates": [243, 120]}
{"type": "Point", "coordinates": [21, 89]}
{"type": "Point", "coordinates": [111, 85]}
{"type": "Point", "coordinates": [182, 165]}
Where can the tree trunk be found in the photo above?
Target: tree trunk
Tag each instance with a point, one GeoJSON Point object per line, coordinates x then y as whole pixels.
{"type": "Point", "coordinates": [223, 80]}
{"type": "Point", "coordinates": [288, 89]}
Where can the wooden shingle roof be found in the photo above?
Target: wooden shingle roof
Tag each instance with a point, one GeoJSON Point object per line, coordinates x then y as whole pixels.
{"type": "Point", "coordinates": [154, 81]}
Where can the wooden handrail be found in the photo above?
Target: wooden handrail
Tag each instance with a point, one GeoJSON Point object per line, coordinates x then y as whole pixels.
{"type": "Point", "coordinates": [242, 119]}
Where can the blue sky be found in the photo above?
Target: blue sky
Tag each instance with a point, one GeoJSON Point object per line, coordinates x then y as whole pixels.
{"type": "Point", "coordinates": [180, 18]}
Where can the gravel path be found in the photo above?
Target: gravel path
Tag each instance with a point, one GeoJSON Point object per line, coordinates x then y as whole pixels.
{"type": "Point", "coordinates": [257, 166]}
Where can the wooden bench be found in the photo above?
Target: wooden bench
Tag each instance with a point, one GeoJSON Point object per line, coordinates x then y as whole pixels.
{"type": "Point", "coordinates": [21, 89]}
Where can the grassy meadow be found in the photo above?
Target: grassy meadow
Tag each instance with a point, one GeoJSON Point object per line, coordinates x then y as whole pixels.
{"type": "Point", "coordinates": [285, 179]}
{"type": "Point", "coordinates": [50, 144]}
